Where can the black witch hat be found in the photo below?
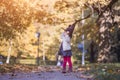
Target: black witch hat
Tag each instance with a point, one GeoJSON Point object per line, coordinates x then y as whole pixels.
{"type": "Point", "coordinates": [71, 29]}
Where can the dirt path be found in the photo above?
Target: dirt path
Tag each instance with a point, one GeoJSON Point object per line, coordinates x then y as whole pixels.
{"type": "Point", "coordinates": [42, 75]}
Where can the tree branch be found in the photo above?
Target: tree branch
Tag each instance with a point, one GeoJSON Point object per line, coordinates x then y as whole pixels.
{"type": "Point", "coordinates": [104, 9]}
{"type": "Point", "coordinates": [90, 7]}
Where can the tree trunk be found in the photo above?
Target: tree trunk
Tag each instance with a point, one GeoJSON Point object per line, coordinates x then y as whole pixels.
{"type": "Point", "coordinates": [107, 33]}
{"type": "Point", "coordinates": [9, 52]}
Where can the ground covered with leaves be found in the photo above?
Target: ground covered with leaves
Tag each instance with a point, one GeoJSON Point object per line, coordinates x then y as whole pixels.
{"type": "Point", "coordinates": [47, 72]}
{"type": "Point", "coordinates": [51, 72]}
{"type": "Point", "coordinates": [109, 71]}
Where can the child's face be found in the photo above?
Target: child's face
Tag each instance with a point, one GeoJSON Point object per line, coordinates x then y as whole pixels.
{"type": "Point", "coordinates": [67, 32]}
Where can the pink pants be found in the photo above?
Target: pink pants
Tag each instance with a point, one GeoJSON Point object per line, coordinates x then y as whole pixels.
{"type": "Point", "coordinates": [65, 60]}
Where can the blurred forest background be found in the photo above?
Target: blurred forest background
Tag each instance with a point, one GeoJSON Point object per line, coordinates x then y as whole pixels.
{"type": "Point", "coordinates": [20, 20]}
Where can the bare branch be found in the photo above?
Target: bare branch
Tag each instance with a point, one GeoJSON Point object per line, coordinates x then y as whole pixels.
{"type": "Point", "coordinates": [91, 8]}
